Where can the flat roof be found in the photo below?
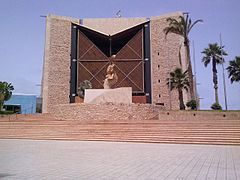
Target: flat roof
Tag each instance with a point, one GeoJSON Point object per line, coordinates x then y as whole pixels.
{"type": "Point", "coordinates": [24, 94]}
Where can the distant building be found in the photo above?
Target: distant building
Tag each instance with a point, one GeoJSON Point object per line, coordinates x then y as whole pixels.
{"type": "Point", "coordinates": [21, 103]}
{"type": "Point", "coordinates": [81, 49]}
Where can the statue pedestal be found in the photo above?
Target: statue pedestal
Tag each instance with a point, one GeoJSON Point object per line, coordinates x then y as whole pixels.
{"type": "Point", "coordinates": [115, 96]}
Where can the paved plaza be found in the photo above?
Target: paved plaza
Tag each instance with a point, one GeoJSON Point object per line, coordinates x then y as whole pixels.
{"type": "Point", "coordinates": [40, 159]}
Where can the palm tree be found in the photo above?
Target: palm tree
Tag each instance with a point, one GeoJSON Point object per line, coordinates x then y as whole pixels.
{"type": "Point", "coordinates": [5, 92]}
{"type": "Point", "coordinates": [213, 53]}
{"type": "Point", "coordinates": [182, 26]}
{"type": "Point", "coordinates": [179, 80]}
{"type": "Point", "coordinates": [234, 69]}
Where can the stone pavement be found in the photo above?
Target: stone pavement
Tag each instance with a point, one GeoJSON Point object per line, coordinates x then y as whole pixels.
{"type": "Point", "coordinates": [40, 159]}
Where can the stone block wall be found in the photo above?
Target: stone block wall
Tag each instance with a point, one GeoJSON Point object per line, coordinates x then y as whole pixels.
{"type": "Point", "coordinates": [56, 72]}
{"type": "Point", "coordinates": [103, 112]}
{"type": "Point", "coordinates": [199, 115]}
{"type": "Point", "coordinates": [165, 58]}
{"type": "Point", "coordinates": [133, 112]}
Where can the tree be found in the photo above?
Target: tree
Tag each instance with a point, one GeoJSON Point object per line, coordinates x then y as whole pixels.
{"type": "Point", "coordinates": [179, 80]}
{"type": "Point", "coordinates": [5, 92]}
{"type": "Point", "coordinates": [192, 104]}
{"type": "Point", "coordinates": [182, 26]}
{"type": "Point", "coordinates": [234, 70]}
{"type": "Point", "coordinates": [213, 53]}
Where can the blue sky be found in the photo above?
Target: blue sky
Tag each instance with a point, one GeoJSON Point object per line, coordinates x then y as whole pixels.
{"type": "Point", "coordinates": [22, 33]}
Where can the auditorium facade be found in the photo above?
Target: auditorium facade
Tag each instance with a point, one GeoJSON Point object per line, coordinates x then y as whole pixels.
{"type": "Point", "coordinates": [81, 49]}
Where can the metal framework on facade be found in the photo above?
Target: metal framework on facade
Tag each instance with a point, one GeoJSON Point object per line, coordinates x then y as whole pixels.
{"type": "Point", "coordinates": [93, 52]}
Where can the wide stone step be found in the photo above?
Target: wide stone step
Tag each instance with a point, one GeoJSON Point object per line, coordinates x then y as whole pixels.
{"type": "Point", "coordinates": [133, 128]}
{"type": "Point", "coordinates": [201, 131]}
{"type": "Point", "coordinates": [141, 130]}
{"type": "Point", "coordinates": [150, 134]}
{"type": "Point", "coordinates": [122, 124]}
{"type": "Point", "coordinates": [126, 136]}
{"type": "Point", "coordinates": [145, 140]}
{"type": "Point", "coordinates": [121, 134]}
{"type": "Point", "coordinates": [119, 120]}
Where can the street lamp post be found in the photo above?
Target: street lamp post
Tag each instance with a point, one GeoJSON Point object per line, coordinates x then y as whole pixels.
{"type": "Point", "coordinates": [223, 70]}
{"type": "Point", "coordinates": [169, 82]}
{"type": "Point", "coordinates": [195, 77]}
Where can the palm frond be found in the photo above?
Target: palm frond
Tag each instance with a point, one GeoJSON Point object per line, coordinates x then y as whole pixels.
{"type": "Point", "coordinates": [214, 51]}
{"type": "Point", "coordinates": [192, 25]}
{"type": "Point", "coordinates": [178, 79]}
{"type": "Point", "coordinates": [189, 24]}
{"type": "Point", "coordinates": [206, 60]}
{"type": "Point", "coordinates": [234, 70]}
{"type": "Point", "coordinates": [179, 55]}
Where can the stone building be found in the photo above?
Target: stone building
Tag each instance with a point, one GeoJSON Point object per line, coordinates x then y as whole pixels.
{"type": "Point", "coordinates": [80, 49]}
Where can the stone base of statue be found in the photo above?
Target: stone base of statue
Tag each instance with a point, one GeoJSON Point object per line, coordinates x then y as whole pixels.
{"type": "Point", "coordinates": [116, 96]}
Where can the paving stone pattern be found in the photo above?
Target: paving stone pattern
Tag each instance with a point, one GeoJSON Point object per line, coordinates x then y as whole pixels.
{"type": "Point", "coordinates": [40, 159]}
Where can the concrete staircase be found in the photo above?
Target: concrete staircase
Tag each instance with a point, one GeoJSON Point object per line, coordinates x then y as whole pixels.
{"type": "Point", "coordinates": [188, 131]}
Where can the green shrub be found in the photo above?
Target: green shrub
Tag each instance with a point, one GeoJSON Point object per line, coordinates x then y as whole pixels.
{"type": "Point", "coordinates": [216, 106]}
{"type": "Point", "coordinates": [38, 109]}
{"type": "Point", "coordinates": [84, 85]}
{"type": "Point", "coordinates": [5, 92]}
{"type": "Point", "coordinates": [6, 112]}
{"type": "Point", "coordinates": [192, 104]}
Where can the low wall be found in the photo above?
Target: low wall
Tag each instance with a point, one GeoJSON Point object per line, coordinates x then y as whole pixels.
{"type": "Point", "coordinates": [99, 112]}
{"type": "Point", "coordinates": [199, 115]}
{"type": "Point", "coordinates": [118, 112]}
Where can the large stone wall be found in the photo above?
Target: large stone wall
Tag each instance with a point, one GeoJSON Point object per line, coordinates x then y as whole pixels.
{"type": "Point", "coordinates": [101, 112]}
{"type": "Point", "coordinates": [56, 72]}
{"type": "Point", "coordinates": [199, 115]}
{"type": "Point", "coordinates": [134, 112]}
{"type": "Point", "coordinates": [165, 58]}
